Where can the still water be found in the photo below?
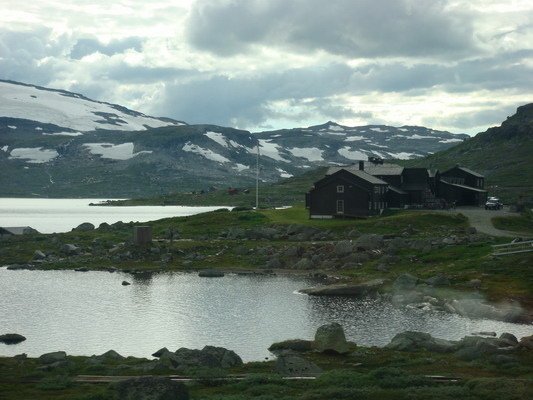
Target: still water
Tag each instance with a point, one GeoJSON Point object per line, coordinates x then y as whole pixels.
{"type": "Point", "coordinates": [61, 215]}
{"type": "Point", "coordinates": [86, 313]}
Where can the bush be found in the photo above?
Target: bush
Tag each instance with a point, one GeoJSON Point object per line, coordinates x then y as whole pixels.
{"type": "Point", "coordinates": [58, 382]}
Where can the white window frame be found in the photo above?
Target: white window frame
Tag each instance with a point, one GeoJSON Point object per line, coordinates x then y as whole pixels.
{"type": "Point", "coordinates": [340, 188]}
{"type": "Point", "coordinates": [340, 206]}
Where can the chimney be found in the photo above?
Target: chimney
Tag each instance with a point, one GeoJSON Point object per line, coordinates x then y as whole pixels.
{"type": "Point", "coordinates": [361, 165]}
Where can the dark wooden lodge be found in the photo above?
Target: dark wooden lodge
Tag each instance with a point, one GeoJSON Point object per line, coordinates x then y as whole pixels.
{"type": "Point", "coordinates": [347, 194]}
{"type": "Point", "coordinates": [368, 187]}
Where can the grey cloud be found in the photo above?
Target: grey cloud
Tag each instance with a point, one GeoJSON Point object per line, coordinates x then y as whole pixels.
{"type": "Point", "coordinates": [87, 46]}
{"type": "Point", "coordinates": [22, 54]}
{"type": "Point", "coordinates": [354, 28]}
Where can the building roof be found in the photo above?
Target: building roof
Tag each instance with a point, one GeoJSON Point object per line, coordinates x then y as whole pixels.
{"type": "Point", "coordinates": [397, 190]}
{"type": "Point", "coordinates": [371, 168]}
{"type": "Point", "coordinates": [465, 187]}
{"type": "Point", "coordinates": [467, 170]}
{"type": "Point", "coordinates": [360, 174]}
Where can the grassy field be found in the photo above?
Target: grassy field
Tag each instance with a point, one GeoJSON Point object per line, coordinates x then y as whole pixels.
{"type": "Point", "coordinates": [522, 224]}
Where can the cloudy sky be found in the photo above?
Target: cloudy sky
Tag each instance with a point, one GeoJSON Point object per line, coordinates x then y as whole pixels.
{"type": "Point", "coordinates": [458, 65]}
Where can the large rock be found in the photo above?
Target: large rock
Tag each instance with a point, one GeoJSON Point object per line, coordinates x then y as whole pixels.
{"type": "Point", "coordinates": [84, 227]}
{"type": "Point", "coordinates": [330, 338]}
{"type": "Point", "coordinates": [415, 341]}
{"type": "Point", "coordinates": [150, 388]}
{"type": "Point", "coordinates": [353, 290]}
{"type": "Point", "coordinates": [211, 273]}
{"type": "Point", "coordinates": [209, 357]}
{"type": "Point", "coordinates": [109, 355]}
{"type": "Point", "coordinates": [369, 242]}
{"type": "Point", "coordinates": [39, 255]}
{"type": "Point", "coordinates": [51, 358]}
{"type": "Point", "coordinates": [299, 345]}
{"type": "Point", "coordinates": [477, 308]}
{"type": "Point", "coordinates": [11, 338]}
{"type": "Point", "coordinates": [405, 282]}
{"type": "Point", "coordinates": [344, 248]}
{"type": "Point", "coordinates": [70, 249]}
{"type": "Point", "coordinates": [526, 342]}
{"type": "Point", "coordinates": [293, 365]}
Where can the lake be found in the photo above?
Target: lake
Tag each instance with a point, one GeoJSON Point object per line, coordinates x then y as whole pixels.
{"type": "Point", "coordinates": [85, 313]}
{"type": "Point", "coordinates": [61, 215]}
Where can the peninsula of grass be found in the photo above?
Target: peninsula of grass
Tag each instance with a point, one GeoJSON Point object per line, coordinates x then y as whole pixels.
{"type": "Point", "coordinates": [522, 224]}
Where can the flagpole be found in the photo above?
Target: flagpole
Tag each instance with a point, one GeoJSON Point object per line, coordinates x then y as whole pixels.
{"type": "Point", "coordinates": [257, 180]}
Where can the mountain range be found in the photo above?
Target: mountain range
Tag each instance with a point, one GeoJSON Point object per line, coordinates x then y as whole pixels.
{"type": "Point", "coordinates": [58, 143]}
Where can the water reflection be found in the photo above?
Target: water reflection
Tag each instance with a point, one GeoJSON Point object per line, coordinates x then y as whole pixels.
{"type": "Point", "coordinates": [89, 313]}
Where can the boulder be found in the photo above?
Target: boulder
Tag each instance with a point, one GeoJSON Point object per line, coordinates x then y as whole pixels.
{"type": "Point", "coordinates": [344, 248]}
{"type": "Point", "coordinates": [369, 242]}
{"type": "Point", "coordinates": [353, 290]}
{"type": "Point", "coordinates": [125, 283]}
{"type": "Point", "coordinates": [438, 280]}
{"type": "Point", "coordinates": [51, 358]}
{"type": "Point", "coordinates": [70, 249]}
{"type": "Point", "coordinates": [211, 273]}
{"type": "Point", "coordinates": [225, 358]}
{"type": "Point", "coordinates": [84, 227]}
{"type": "Point", "coordinates": [150, 388]}
{"type": "Point", "coordinates": [293, 365]}
{"type": "Point", "coordinates": [38, 255]}
{"type": "Point", "coordinates": [299, 345]}
{"type": "Point", "coordinates": [330, 338]}
{"type": "Point", "coordinates": [11, 338]}
{"type": "Point", "coordinates": [526, 342]}
{"type": "Point", "coordinates": [405, 282]}
{"type": "Point", "coordinates": [509, 338]}
{"type": "Point", "coordinates": [414, 341]}
{"type": "Point", "coordinates": [160, 352]}
{"type": "Point", "coordinates": [109, 355]}
{"type": "Point", "coordinates": [477, 308]}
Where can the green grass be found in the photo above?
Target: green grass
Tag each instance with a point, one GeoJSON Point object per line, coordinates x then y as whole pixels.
{"type": "Point", "coordinates": [522, 224]}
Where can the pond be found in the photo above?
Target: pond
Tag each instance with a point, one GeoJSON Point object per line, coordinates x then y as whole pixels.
{"type": "Point", "coordinates": [85, 313]}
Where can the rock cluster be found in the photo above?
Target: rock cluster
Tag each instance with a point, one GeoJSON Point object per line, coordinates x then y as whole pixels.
{"type": "Point", "coordinates": [499, 349]}
{"type": "Point", "coordinates": [183, 358]}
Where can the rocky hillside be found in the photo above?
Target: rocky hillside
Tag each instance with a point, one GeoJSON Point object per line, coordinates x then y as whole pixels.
{"type": "Point", "coordinates": [503, 154]}
{"type": "Point", "coordinates": [58, 143]}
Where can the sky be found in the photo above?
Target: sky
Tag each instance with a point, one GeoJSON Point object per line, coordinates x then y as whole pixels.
{"type": "Point", "coordinates": [456, 65]}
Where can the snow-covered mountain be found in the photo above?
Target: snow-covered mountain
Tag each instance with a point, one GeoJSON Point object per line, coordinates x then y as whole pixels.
{"type": "Point", "coordinates": [72, 112]}
{"type": "Point", "coordinates": [57, 143]}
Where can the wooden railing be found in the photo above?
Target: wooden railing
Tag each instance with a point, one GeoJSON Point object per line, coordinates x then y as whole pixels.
{"type": "Point", "coordinates": [512, 248]}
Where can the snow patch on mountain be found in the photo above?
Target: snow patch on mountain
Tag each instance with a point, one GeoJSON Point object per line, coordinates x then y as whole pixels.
{"type": "Point", "coordinates": [123, 151]}
{"type": "Point", "coordinates": [62, 133]}
{"type": "Point", "coordinates": [34, 155]}
{"type": "Point", "coordinates": [218, 138]}
{"type": "Point", "coordinates": [310, 153]}
{"type": "Point", "coordinates": [284, 174]}
{"type": "Point", "coordinates": [68, 110]}
{"type": "Point", "coordinates": [240, 167]}
{"type": "Point", "coordinates": [403, 155]}
{"type": "Point", "coordinates": [416, 136]}
{"type": "Point", "coordinates": [206, 153]}
{"type": "Point", "coordinates": [354, 138]}
{"type": "Point", "coordinates": [378, 130]}
{"type": "Point", "coordinates": [4, 148]}
{"type": "Point", "coordinates": [12, 127]}
{"type": "Point", "coordinates": [450, 140]}
{"type": "Point", "coordinates": [335, 128]}
{"type": "Point", "coordinates": [350, 154]}
{"type": "Point", "coordinates": [271, 150]}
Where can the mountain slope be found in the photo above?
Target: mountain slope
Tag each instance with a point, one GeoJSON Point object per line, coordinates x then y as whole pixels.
{"type": "Point", "coordinates": [503, 154]}
{"type": "Point", "coordinates": [62, 144]}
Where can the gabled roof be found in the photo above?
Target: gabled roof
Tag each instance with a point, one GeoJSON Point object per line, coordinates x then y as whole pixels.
{"type": "Point", "coordinates": [468, 171]}
{"type": "Point", "coordinates": [360, 174]}
{"type": "Point", "coordinates": [465, 187]}
{"type": "Point", "coordinates": [371, 168]}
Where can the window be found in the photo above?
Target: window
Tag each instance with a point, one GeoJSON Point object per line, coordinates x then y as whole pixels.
{"type": "Point", "coordinates": [340, 189]}
{"type": "Point", "coordinates": [376, 189]}
{"type": "Point", "coordinates": [370, 205]}
{"type": "Point", "coordinates": [340, 206]}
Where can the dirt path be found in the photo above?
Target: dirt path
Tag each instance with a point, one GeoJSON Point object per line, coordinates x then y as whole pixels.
{"type": "Point", "coordinates": [480, 219]}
